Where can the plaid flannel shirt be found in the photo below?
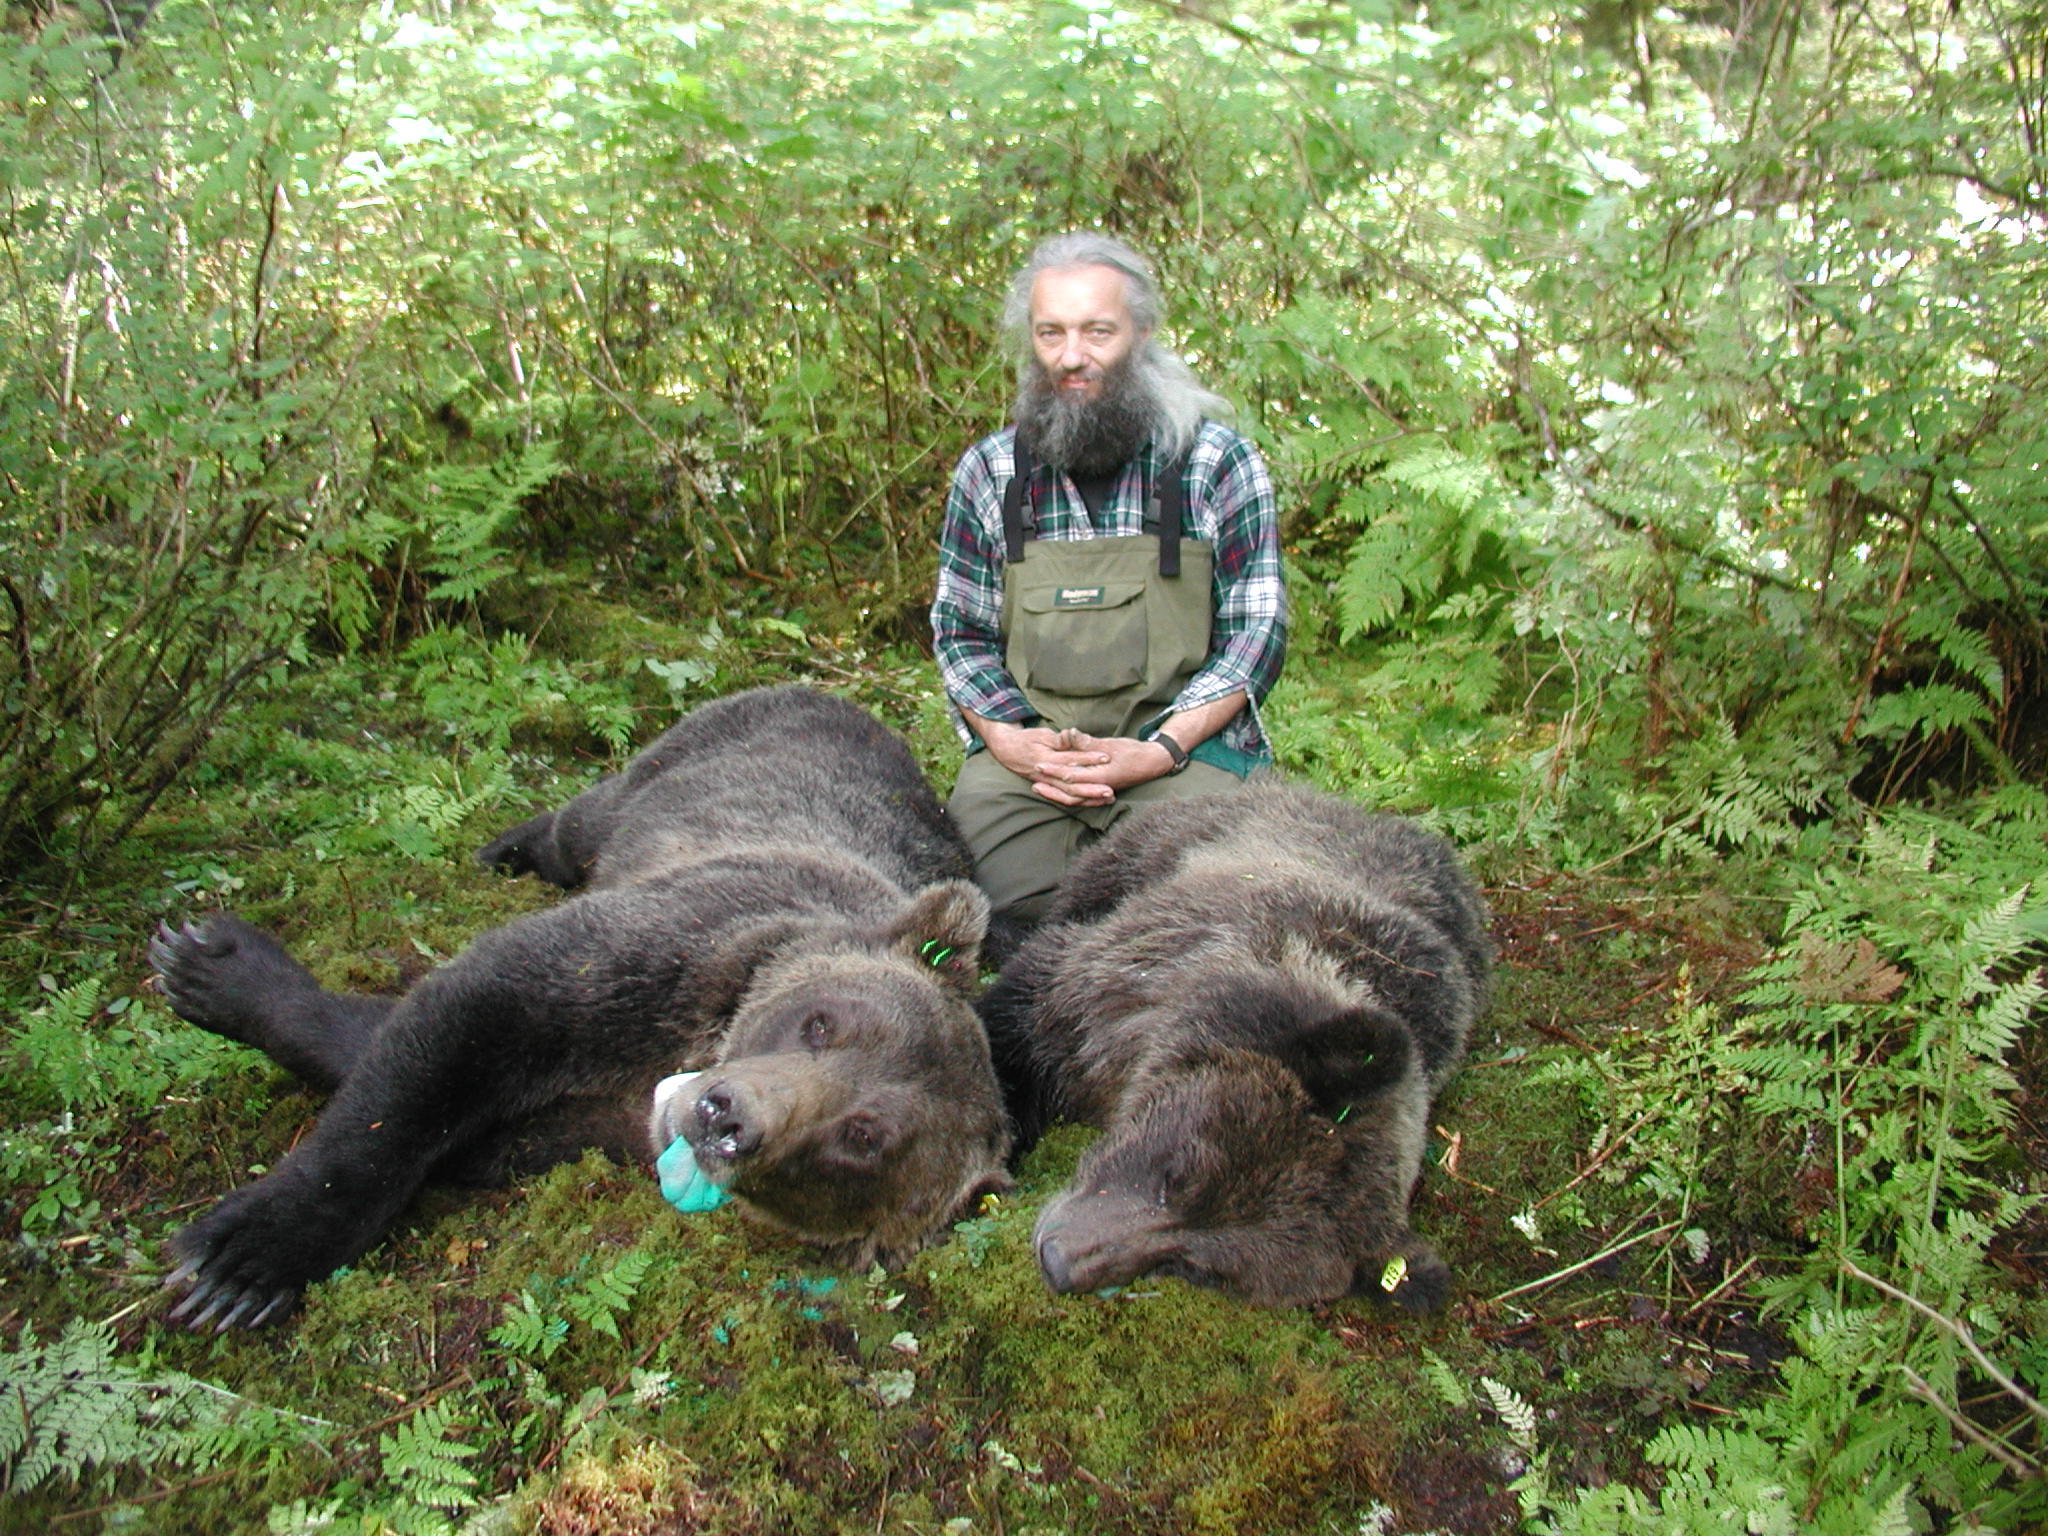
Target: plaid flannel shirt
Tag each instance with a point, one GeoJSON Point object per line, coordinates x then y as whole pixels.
{"type": "Point", "coordinates": [1230, 504]}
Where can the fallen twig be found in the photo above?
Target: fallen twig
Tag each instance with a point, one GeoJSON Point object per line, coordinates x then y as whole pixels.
{"type": "Point", "coordinates": [1572, 1269]}
{"type": "Point", "coordinates": [1593, 1167]}
{"type": "Point", "coordinates": [1961, 1333]}
{"type": "Point", "coordinates": [2018, 1462]}
{"type": "Point", "coordinates": [1708, 1300]}
{"type": "Point", "coordinates": [1449, 1165]}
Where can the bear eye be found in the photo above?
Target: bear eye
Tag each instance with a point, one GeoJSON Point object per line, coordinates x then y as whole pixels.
{"type": "Point", "coordinates": [816, 1032]}
{"type": "Point", "coordinates": [863, 1139]}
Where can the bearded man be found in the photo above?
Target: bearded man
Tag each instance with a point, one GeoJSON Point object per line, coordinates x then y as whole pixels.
{"type": "Point", "coordinates": [1109, 613]}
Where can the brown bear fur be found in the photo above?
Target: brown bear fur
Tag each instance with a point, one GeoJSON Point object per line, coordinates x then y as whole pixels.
{"type": "Point", "coordinates": [1258, 997]}
{"type": "Point", "coordinates": [770, 891]}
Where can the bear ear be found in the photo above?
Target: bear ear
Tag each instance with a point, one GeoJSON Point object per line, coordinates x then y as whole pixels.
{"type": "Point", "coordinates": [1347, 1056]}
{"type": "Point", "coordinates": [943, 928]}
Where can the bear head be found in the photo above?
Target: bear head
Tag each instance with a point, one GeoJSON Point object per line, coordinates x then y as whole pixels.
{"type": "Point", "coordinates": [1231, 1168]}
{"type": "Point", "coordinates": [853, 1101]}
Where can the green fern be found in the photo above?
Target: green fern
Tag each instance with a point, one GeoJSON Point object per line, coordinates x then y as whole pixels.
{"type": "Point", "coordinates": [73, 1411]}
{"type": "Point", "coordinates": [1514, 1411]}
{"type": "Point", "coordinates": [1431, 524]}
{"type": "Point", "coordinates": [1878, 1036]}
{"type": "Point", "coordinates": [1447, 1383]}
{"type": "Point", "coordinates": [529, 1330]}
{"type": "Point", "coordinates": [603, 1299]}
{"type": "Point", "coordinates": [452, 515]}
{"type": "Point", "coordinates": [423, 1462]}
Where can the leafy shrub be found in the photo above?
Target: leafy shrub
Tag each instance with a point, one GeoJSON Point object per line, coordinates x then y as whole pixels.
{"type": "Point", "coordinates": [1873, 1051]}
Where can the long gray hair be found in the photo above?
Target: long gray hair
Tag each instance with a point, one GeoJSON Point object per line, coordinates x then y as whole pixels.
{"type": "Point", "coordinates": [1178, 396]}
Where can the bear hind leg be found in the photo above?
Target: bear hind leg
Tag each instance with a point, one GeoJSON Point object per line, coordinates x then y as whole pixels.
{"type": "Point", "coordinates": [237, 981]}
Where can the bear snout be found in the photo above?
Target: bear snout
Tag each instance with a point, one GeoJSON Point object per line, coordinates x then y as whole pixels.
{"type": "Point", "coordinates": [1087, 1241]}
{"type": "Point", "coordinates": [724, 1128]}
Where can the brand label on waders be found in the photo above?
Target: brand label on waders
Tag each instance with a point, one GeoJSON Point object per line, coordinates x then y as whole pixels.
{"type": "Point", "coordinates": [1077, 597]}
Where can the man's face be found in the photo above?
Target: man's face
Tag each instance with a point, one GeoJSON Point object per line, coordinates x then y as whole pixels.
{"type": "Point", "coordinates": [1080, 327]}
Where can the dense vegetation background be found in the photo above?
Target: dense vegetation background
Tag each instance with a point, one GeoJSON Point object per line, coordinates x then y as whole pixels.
{"type": "Point", "coordinates": [403, 408]}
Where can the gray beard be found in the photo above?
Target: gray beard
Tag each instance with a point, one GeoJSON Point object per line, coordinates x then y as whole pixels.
{"type": "Point", "coordinates": [1084, 437]}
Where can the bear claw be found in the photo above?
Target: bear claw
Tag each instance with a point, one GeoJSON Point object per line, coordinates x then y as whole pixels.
{"type": "Point", "coordinates": [221, 1302]}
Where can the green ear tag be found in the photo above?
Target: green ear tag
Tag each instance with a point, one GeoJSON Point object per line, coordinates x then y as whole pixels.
{"type": "Point", "coordinates": [1392, 1276]}
{"type": "Point", "coordinates": [935, 960]}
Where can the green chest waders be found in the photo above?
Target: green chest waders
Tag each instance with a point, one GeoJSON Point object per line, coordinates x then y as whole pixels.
{"type": "Point", "coordinates": [1102, 634]}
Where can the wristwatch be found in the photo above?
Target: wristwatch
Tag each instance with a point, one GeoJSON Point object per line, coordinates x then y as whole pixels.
{"type": "Point", "coordinates": [1174, 749]}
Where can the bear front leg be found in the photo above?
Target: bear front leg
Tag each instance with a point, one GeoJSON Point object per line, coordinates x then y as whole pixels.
{"type": "Point", "coordinates": [523, 850]}
{"type": "Point", "coordinates": [419, 1094]}
{"type": "Point", "coordinates": [246, 1262]}
{"type": "Point", "coordinates": [237, 981]}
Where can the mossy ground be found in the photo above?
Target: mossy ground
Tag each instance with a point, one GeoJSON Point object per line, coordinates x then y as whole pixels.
{"type": "Point", "coordinates": [747, 1390]}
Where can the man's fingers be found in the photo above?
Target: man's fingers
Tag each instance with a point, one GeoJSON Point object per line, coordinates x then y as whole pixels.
{"type": "Point", "coordinates": [1074, 794]}
{"type": "Point", "coordinates": [1064, 768]}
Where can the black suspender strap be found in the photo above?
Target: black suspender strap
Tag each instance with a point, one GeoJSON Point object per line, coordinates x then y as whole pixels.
{"type": "Point", "coordinates": [1021, 470]}
{"type": "Point", "coordinates": [1166, 512]}
{"type": "Point", "coordinates": [1165, 509]}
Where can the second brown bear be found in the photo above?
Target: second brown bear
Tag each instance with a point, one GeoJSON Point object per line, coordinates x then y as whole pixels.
{"type": "Point", "coordinates": [1258, 997]}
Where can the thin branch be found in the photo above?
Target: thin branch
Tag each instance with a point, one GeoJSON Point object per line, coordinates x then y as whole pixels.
{"type": "Point", "coordinates": [2018, 1462]}
{"type": "Point", "coordinates": [1598, 1162]}
{"type": "Point", "coordinates": [1584, 1264]}
{"type": "Point", "coordinates": [1959, 1331]}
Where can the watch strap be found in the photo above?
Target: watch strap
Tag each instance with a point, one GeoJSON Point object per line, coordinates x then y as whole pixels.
{"type": "Point", "coordinates": [1174, 749]}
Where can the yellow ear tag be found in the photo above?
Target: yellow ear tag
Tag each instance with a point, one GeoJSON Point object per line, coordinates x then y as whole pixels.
{"type": "Point", "coordinates": [1392, 1276]}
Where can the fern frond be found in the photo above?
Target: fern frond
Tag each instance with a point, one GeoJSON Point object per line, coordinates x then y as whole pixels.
{"type": "Point", "coordinates": [1436, 470]}
{"type": "Point", "coordinates": [1995, 933]}
{"type": "Point", "coordinates": [425, 1462]}
{"type": "Point", "coordinates": [1445, 1380]}
{"type": "Point", "coordinates": [527, 1330]}
{"type": "Point", "coordinates": [73, 1409]}
{"type": "Point", "coordinates": [1514, 1412]}
{"type": "Point", "coordinates": [602, 1299]}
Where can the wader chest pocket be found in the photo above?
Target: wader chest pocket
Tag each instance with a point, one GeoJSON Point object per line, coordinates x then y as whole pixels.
{"type": "Point", "coordinates": [1080, 637]}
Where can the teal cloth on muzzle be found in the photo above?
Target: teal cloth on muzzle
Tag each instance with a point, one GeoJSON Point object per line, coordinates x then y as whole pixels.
{"type": "Point", "coordinates": [684, 1185]}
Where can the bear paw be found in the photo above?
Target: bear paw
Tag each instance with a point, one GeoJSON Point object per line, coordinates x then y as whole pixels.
{"type": "Point", "coordinates": [1413, 1278]}
{"type": "Point", "coordinates": [245, 1263]}
{"type": "Point", "coordinates": [225, 977]}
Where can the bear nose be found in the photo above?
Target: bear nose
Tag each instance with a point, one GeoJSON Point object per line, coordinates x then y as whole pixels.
{"type": "Point", "coordinates": [722, 1124]}
{"type": "Point", "coordinates": [1054, 1264]}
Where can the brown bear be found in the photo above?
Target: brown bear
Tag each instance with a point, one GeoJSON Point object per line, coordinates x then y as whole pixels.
{"type": "Point", "coordinates": [770, 893]}
{"type": "Point", "coordinates": [1257, 996]}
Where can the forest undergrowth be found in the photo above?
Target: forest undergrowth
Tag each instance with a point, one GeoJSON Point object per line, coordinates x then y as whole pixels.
{"type": "Point", "coordinates": [1650, 1209]}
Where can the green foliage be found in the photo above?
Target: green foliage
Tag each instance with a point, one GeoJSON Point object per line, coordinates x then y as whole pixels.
{"type": "Point", "coordinates": [536, 1331]}
{"type": "Point", "coordinates": [434, 534]}
{"type": "Point", "coordinates": [1658, 414]}
{"type": "Point", "coordinates": [173, 491]}
{"type": "Point", "coordinates": [1717, 393]}
{"type": "Point", "coordinates": [423, 1466]}
{"type": "Point", "coordinates": [75, 1411]}
{"type": "Point", "coordinates": [1874, 1048]}
{"type": "Point", "coordinates": [1432, 531]}
{"type": "Point", "coordinates": [76, 1068]}
{"type": "Point", "coordinates": [483, 693]}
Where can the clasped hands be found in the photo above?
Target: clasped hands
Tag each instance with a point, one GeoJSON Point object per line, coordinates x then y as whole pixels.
{"type": "Point", "coordinates": [1070, 767]}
